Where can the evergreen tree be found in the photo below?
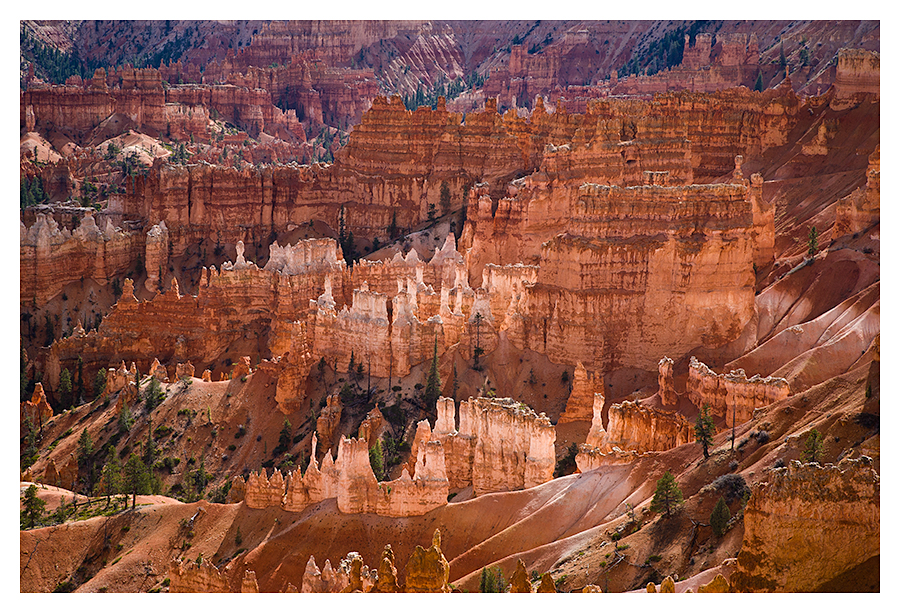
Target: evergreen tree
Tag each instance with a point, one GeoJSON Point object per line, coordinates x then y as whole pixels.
{"type": "Point", "coordinates": [126, 420]}
{"type": "Point", "coordinates": [812, 241]}
{"type": "Point", "coordinates": [813, 450]}
{"type": "Point", "coordinates": [284, 438]}
{"type": "Point", "coordinates": [30, 455]}
{"type": "Point", "coordinates": [719, 518]}
{"type": "Point", "coordinates": [433, 383]}
{"type": "Point", "coordinates": [25, 199]}
{"type": "Point", "coordinates": [79, 381]}
{"type": "Point", "coordinates": [376, 460]}
{"type": "Point", "coordinates": [136, 481]}
{"type": "Point", "coordinates": [668, 495]}
{"type": "Point", "coordinates": [704, 429]}
{"type": "Point", "coordinates": [85, 448]}
{"type": "Point", "coordinates": [111, 474]}
{"type": "Point", "coordinates": [758, 86]}
{"type": "Point", "coordinates": [99, 383]}
{"type": "Point", "coordinates": [65, 390]}
{"type": "Point", "coordinates": [86, 458]}
{"type": "Point", "coordinates": [33, 509]}
{"type": "Point", "coordinates": [491, 581]}
{"type": "Point", "coordinates": [154, 394]}
{"type": "Point", "coordinates": [37, 191]}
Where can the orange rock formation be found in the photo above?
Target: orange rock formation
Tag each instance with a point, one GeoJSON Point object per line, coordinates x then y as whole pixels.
{"type": "Point", "coordinates": [427, 570]}
{"type": "Point", "coordinates": [500, 444]}
{"type": "Point", "coordinates": [579, 406]}
{"type": "Point", "coordinates": [833, 508]}
{"type": "Point", "coordinates": [351, 481]}
{"type": "Point", "coordinates": [38, 410]}
{"type": "Point", "coordinates": [733, 395]}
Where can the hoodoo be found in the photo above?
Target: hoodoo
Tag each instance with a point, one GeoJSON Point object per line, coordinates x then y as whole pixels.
{"type": "Point", "coordinates": [449, 306]}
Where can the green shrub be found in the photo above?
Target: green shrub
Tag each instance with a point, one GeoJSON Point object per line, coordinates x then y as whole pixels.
{"type": "Point", "coordinates": [720, 517]}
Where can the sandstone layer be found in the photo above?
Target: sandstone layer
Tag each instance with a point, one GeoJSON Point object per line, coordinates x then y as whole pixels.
{"type": "Point", "coordinates": [833, 508]}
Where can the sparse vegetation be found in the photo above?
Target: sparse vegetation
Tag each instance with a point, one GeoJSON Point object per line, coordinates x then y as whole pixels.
{"type": "Point", "coordinates": [33, 510]}
{"type": "Point", "coordinates": [376, 460]}
{"type": "Point", "coordinates": [812, 242]}
{"type": "Point", "coordinates": [154, 395]}
{"type": "Point", "coordinates": [732, 487]}
{"type": "Point", "coordinates": [704, 429]}
{"type": "Point", "coordinates": [491, 581]}
{"type": "Point", "coordinates": [720, 517]}
{"type": "Point", "coordinates": [812, 452]}
{"type": "Point", "coordinates": [668, 496]}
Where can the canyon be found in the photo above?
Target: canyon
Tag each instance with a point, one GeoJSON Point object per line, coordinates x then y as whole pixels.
{"type": "Point", "coordinates": [428, 306]}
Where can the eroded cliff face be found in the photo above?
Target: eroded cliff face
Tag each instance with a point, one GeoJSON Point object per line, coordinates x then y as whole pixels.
{"type": "Point", "coordinates": [499, 445]}
{"type": "Point", "coordinates": [50, 258]}
{"type": "Point", "coordinates": [633, 429]}
{"type": "Point", "coordinates": [858, 75]}
{"type": "Point", "coordinates": [861, 209]}
{"type": "Point", "coordinates": [177, 112]}
{"type": "Point", "coordinates": [733, 395]}
{"type": "Point", "coordinates": [186, 577]}
{"type": "Point", "coordinates": [618, 262]}
{"type": "Point", "coordinates": [239, 298]}
{"type": "Point", "coordinates": [800, 512]}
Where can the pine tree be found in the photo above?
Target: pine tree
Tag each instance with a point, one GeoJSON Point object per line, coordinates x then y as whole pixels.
{"type": "Point", "coordinates": [812, 241]}
{"type": "Point", "coordinates": [126, 420]}
{"type": "Point", "coordinates": [30, 455]}
{"type": "Point", "coordinates": [704, 429]}
{"type": "Point", "coordinates": [719, 518]}
{"type": "Point", "coordinates": [154, 394]}
{"type": "Point", "coordinates": [85, 458]}
{"type": "Point", "coordinates": [376, 460]}
{"type": "Point", "coordinates": [758, 86]}
{"type": "Point", "coordinates": [490, 582]}
{"type": "Point", "coordinates": [99, 383]}
{"type": "Point", "coordinates": [284, 438]}
{"type": "Point", "coordinates": [111, 474]}
{"type": "Point", "coordinates": [85, 448]}
{"type": "Point", "coordinates": [33, 509]}
{"type": "Point", "coordinates": [433, 383]}
{"type": "Point", "coordinates": [65, 390]}
{"type": "Point", "coordinates": [813, 450]}
{"type": "Point", "coordinates": [136, 481]}
{"type": "Point", "coordinates": [79, 381]}
{"type": "Point", "coordinates": [668, 495]}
